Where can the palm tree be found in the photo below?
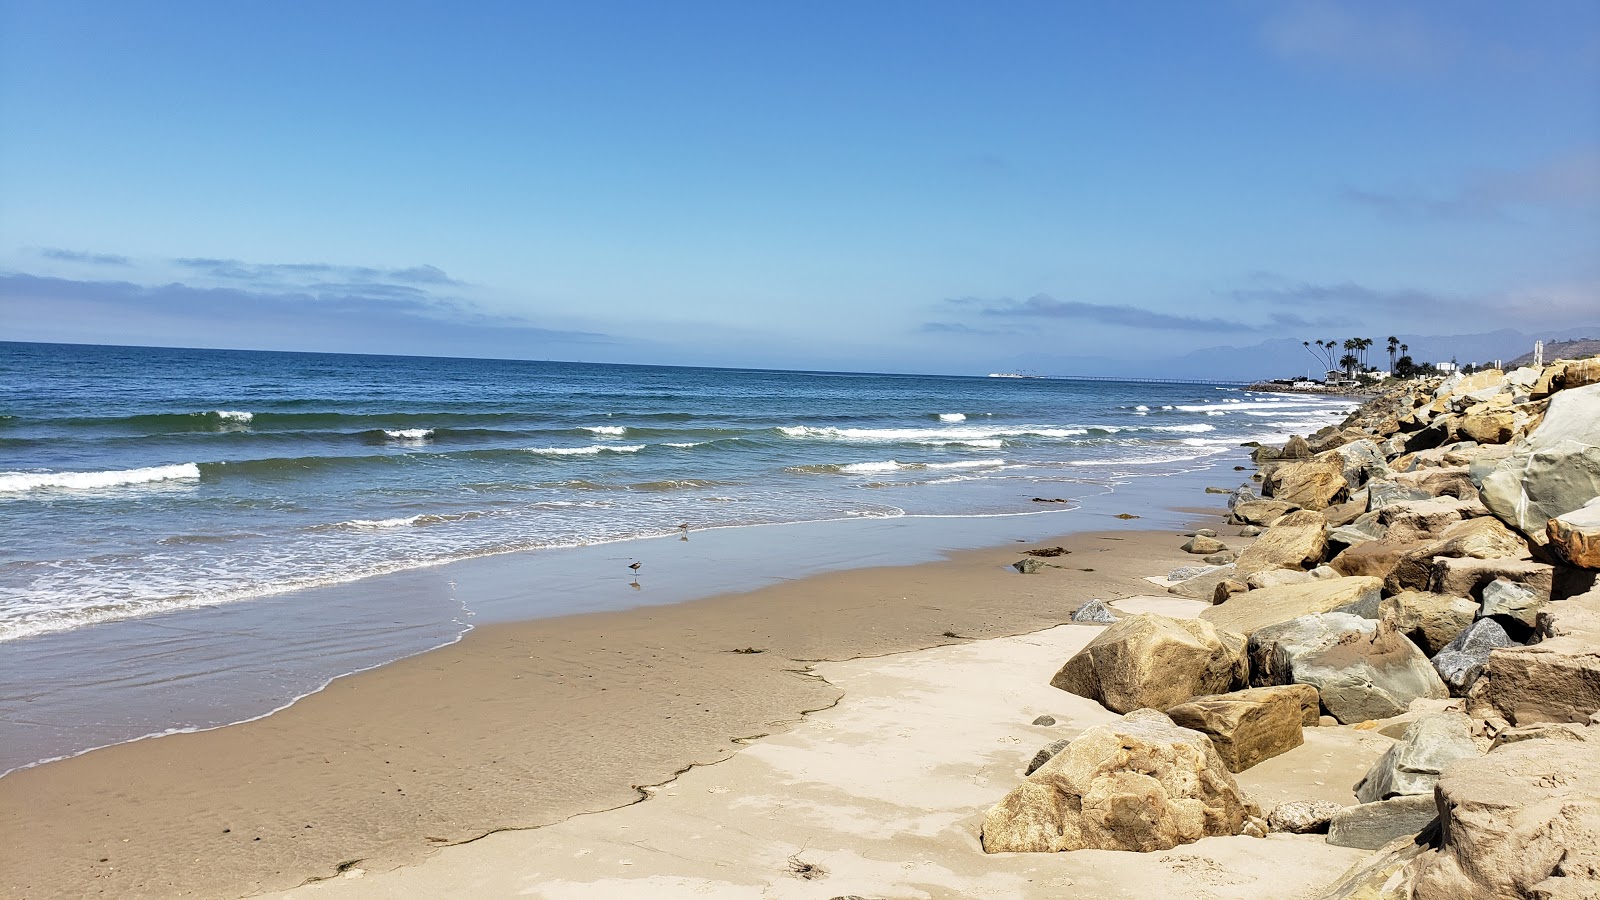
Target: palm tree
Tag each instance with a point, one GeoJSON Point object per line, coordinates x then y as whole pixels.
{"type": "Point", "coordinates": [1361, 347]}
{"type": "Point", "coordinates": [1348, 362]}
{"type": "Point", "coordinates": [1394, 344]}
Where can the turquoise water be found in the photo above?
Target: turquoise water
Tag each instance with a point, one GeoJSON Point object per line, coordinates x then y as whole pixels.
{"type": "Point", "coordinates": [136, 480]}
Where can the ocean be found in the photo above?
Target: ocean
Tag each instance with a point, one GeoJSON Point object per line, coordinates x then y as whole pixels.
{"type": "Point", "coordinates": [144, 487]}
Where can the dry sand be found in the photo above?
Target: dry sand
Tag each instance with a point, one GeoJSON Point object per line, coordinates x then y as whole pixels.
{"type": "Point", "coordinates": [883, 796]}
{"type": "Point", "coordinates": [518, 726]}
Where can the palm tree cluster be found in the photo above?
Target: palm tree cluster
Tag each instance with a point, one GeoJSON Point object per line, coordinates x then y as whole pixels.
{"type": "Point", "coordinates": [1355, 350]}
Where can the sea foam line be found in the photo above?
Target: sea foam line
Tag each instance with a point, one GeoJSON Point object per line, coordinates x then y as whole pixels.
{"type": "Point", "coordinates": [585, 451]}
{"type": "Point", "coordinates": [15, 482]}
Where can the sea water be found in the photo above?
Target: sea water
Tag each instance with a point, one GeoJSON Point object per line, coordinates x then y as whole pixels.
{"type": "Point", "coordinates": [153, 499]}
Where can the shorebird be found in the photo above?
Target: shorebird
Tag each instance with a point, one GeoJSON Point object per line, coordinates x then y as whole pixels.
{"type": "Point", "coordinates": [685, 529]}
{"type": "Point", "coordinates": [635, 567]}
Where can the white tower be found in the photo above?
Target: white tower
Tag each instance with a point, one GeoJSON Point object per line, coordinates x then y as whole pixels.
{"type": "Point", "coordinates": [1538, 354]}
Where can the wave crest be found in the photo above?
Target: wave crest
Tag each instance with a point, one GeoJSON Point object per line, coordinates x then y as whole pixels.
{"type": "Point", "coordinates": [14, 482]}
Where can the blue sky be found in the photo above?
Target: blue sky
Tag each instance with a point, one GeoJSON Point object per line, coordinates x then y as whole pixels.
{"type": "Point", "coordinates": [942, 187]}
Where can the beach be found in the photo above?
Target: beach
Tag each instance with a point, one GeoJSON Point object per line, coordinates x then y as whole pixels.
{"type": "Point", "coordinates": [517, 726]}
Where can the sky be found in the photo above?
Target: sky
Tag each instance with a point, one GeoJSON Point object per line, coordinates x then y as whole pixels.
{"type": "Point", "coordinates": [946, 187]}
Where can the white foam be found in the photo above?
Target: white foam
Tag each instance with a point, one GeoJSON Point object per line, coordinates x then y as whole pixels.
{"type": "Point", "coordinates": [968, 464]}
{"type": "Point", "coordinates": [952, 417]}
{"type": "Point", "coordinates": [612, 430]}
{"type": "Point", "coordinates": [1183, 429]}
{"type": "Point", "coordinates": [861, 468]}
{"type": "Point", "coordinates": [381, 523]}
{"type": "Point", "coordinates": [230, 415]}
{"type": "Point", "coordinates": [12, 482]}
{"type": "Point", "coordinates": [585, 451]}
{"type": "Point", "coordinates": [922, 435]}
{"type": "Point", "coordinates": [982, 443]}
{"type": "Point", "coordinates": [410, 434]}
{"type": "Point", "coordinates": [1142, 408]}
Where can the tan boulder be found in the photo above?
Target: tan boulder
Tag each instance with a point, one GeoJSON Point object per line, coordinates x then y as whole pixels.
{"type": "Point", "coordinates": [1386, 875]}
{"type": "Point", "coordinates": [1490, 425]}
{"type": "Point", "coordinates": [1362, 669]}
{"type": "Point", "coordinates": [1261, 512]}
{"type": "Point", "coordinates": [1247, 612]}
{"type": "Point", "coordinates": [1152, 661]}
{"type": "Point", "coordinates": [1482, 538]}
{"type": "Point", "coordinates": [1297, 541]}
{"type": "Point", "coordinates": [1555, 680]}
{"type": "Point", "coordinates": [1375, 558]}
{"type": "Point", "coordinates": [1420, 520]}
{"type": "Point", "coordinates": [1139, 784]}
{"type": "Point", "coordinates": [1523, 821]}
{"type": "Point", "coordinates": [1575, 536]}
{"type": "Point", "coordinates": [1200, 545]}
{"type": "Point", "coordinates": [1430, 620]}
{"type": "Point", "coordinates": [1309, 484]}
{"type": "Point", "coordinates": [1467, 577]}
{"type": "Point", "coordinates": [1346, 512]}
{"type": "Point", "coordinates": [1251, 725]}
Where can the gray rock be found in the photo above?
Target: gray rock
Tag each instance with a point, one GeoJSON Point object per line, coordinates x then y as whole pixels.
{"type": "Point", "coordinates": [1362, 669]}
{"type": "Point", "coordinates": [1184, 573]}
{"type": "Point", "coordinates": [1203, 587]}
{"type": "Point", "coordinates": [1554, 471]}
{"type": "Point", "coordinates": [1463, 659]}
{"type": "Point", "coordinates": [1205, 532]}
{"type": "Point", "coordinates": [1027, 566]}
{"type": "Point", "coordinates": [1045, 720]}
{"type": "Point", "coordinates": [1413, 764]}
{"type": "Point", "coordinates": [1303, 816]}
{"type": "Point", "coordinates": [1325, 573]}
{"type": "Point", "coordinates": [1511, 604]}
{"type": "Point", "coordinates": [1220, 559]}
{"type": "Point", "coordinates": [1388, 493]}
{"type": "Point", "coordinates": [1045, 754]}
{"type": "Point", "coordinates": [1261, 512]}
{"type": "Point", "coordinates": [1371, 825]}
{"type": "Point", "coordinates": [1243, 494]}
{"type": "Point", "coordinates": [1095, 612]}
{"type": "Point", "coordinates": [1249, 530]}
{"type": "Point", "coordinates": [1361, 461]}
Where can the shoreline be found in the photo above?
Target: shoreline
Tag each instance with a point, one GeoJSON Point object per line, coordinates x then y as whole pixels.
{"type": "Point", "coordinates": [373, 714]}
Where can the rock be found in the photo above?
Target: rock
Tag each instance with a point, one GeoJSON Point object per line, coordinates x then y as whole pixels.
{"type": "Point", "coordinates": [1027, 566]}
{"type": "Point", "coordinates": [1325, 573]}
{"type": "Point", "coordinates": [1542, 731]}
{"type": "Point", "coordinates": [1361, 669]}
{"type": "Point", "coordinates": [1490, 426]}
{"type": "Point", "coordinates": [1366, 527]}
{"type": "Point", "coordinates": [1454, 481]}
{"type": "Point", "coordinates": [1419, 520]}
{"type": "Point", "coordinates": [1297, 541]}
{"type": "Point", "coordinates": [1372, 825]}
{"type": "Point", "coordinates": [1200, 546]}
{"type": "Point", "coordinates": [1431, 621]}
{"type": "Point", "coordinates": [1312, 484]}
{"type": "Point", "coordinates": [1251, 725]}
{"type": "Point", "coordinates": [1523, 821]}
{"type": "Point", "coordinates": [1151, 661]}
{"type": "Point", "coordinates": [1554, 471]}
{"type": "Point", "coordinates": [1095, 612]}
{"type": "Point", "coordinates": [1248, 612]}
{"type": "Point", "coordinates": [1481, 538]}
{"type": "Point", "coordinates": [1184, 573]}
{"type": "Point", "coordinates": [1202, 587]}
{"type": "Point", "coordinates": [1360, 461]}
{"type": "Point", "coordinates": [1377, 559]}
{"type": "Point", "coordinates": [1249, 530]}
{"type": "Point", "coordinates": [1262, 512]}
{"type": "Point", "coordinates": [1467, 577]}
{"type": "Point", "coordinates": [1387, 493]}
{"type": "Point", "coordinates": [1047, 552]}
{"type": "Point", "coordinates": [1386, 875]}
{"type": "Point", "coordinates": [1139, 784]}
{"type": "Point", "coordinates": [1226, 589]}
{"type": "Point", "coordinates": [1464, 658]}
{"type": "Point", "coordinates": [1512, 605]}
{"type": "Point", "coordinates": [1044, 755]}
{"type": "Point", "coordinates": [1575, 536]}
{"type": "Point", "coordinates": [1204, 532]}
{"type": "Point", "coordinates": [1044, 720]}
{"type": "Point", "coordinates": [1303, 816]}
{"type": "Point", "coordinates": [1221, 559]}
{"type": "Point", "coordinates": [1413, 764]}
{"type": "Point", "coordinates": [1276, 577]}
{"type": "Point", "coordinates": [1555, 680]}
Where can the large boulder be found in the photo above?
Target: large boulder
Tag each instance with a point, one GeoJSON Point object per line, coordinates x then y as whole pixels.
{"type": "Point", "coordinates": [1412, 765]}
{"type": "Point", "coordinates": [1523, 821]}
{"type": "Point", "coordinates": [1296, 541]}
{"type": "Point", "coordinates": [1386, 875]}
{"type": "Point", "coordinates": [1261, 512]}
{"type": "Point", "coordinates": [1247, 612]}
{"type": "Point", "coordinates": [1467, 577]}
{"type": "Point", "coordinates": [1381, 494]}
{"type": "Point", "coordinates": [1430, 620]}
{"type": "Point", "coordinates": [1480, 538]}
{"type": "Point", "coordinates": [1360, 461]}
{"type": "Point", "coordinates": [1155, 662]}
{"type": "Point", "coordinates": [1575, 536]}
{"type": "Point", "coordinates": [1554, 471]}
{"type": "Point", "coordinates": [1310, 484]}
{"type": "Point", "coordinates": [1378, 559]}
{"type": "Point", "coordinates": [1370, 826]}
{"type": "Point", "coordinates": [1303, 816]}
{"type": "Point", "coordinates": [1555, 680]}
{"type": "Point", "coordinates": [1200, 545]}
{"type": "Point", "coordinates": [1142, 784]}
{"type": "Point", "coordinates": [1513, 605]}
{"type": "Point", "coordinates": [1466, 656]}
{"type": "Point", "coordinates": [1491, 425]}
{"type": "Point", "coordinates": [1251, 725]}
{"type": "Point", "coordinates": [1420, 520]}
{"type": "Point", "coordinates": [1362, 669]}
{"type": "Point", "coordinates": [1204, 585]}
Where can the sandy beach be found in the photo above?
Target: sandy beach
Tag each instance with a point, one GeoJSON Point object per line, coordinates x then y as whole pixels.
{"type": "Point", "coordinates": [518, 726]}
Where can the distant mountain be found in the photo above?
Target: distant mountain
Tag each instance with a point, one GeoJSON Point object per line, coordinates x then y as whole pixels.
{"type": "Point", "coordinates": [1554, 350]}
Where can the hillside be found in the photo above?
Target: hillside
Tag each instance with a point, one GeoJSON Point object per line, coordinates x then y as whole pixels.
{"type": "Point", "coordinates": [1553, 350]}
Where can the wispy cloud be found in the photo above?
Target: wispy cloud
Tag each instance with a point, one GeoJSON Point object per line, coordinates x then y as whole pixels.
{"type": "Point", "coordinates": [295, 273]}
{"type": "Point", "coordinates": [1045, 307]}
{"type": "Point", "coordinates": [1304, 294]}
{"type": "Point", "coordinates": [1570, 182]}
{"type": "Point", "coordinates": [79, 256]}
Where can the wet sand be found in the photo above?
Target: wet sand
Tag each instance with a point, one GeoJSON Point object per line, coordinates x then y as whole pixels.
{"type": "Point", "coordinates": [518, 726]}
